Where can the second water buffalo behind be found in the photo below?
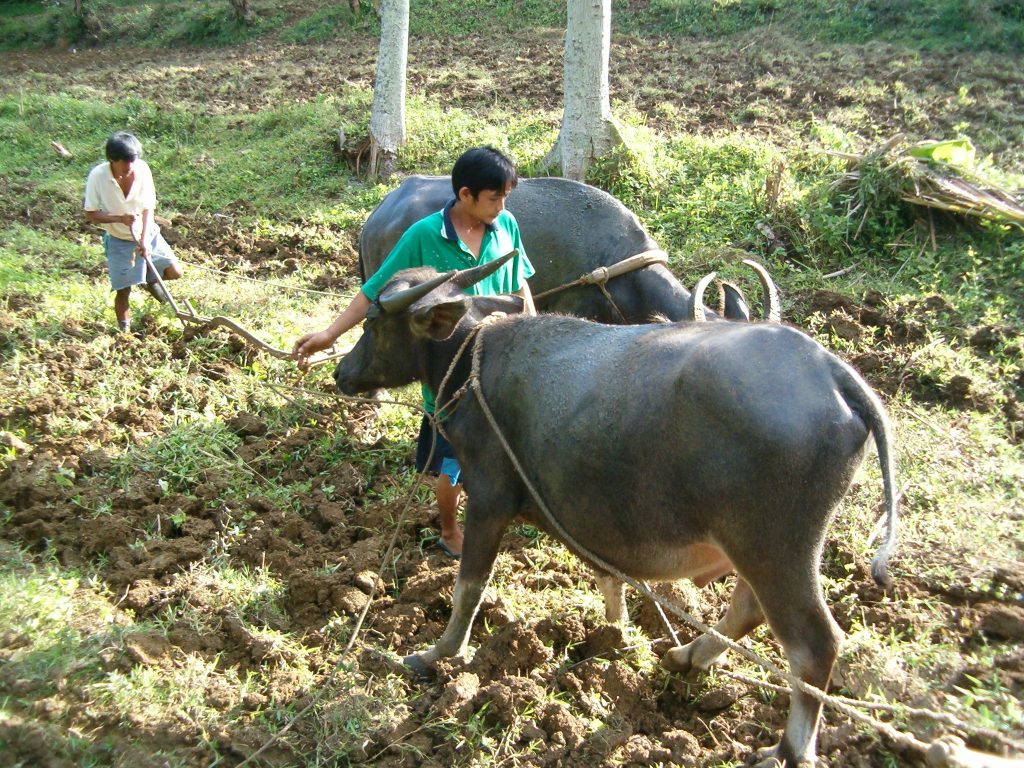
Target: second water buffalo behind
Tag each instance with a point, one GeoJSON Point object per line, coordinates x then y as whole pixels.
{"type": "Point", "coordinates": [569, 229]}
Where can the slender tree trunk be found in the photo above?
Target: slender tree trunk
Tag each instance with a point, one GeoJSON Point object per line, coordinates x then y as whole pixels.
{"type": "Point", "coordinates": [243, 12]}
{"type": "Point", "coordinates": [387, 118]}
{"type": "Point", "coordinates": [588, 131]}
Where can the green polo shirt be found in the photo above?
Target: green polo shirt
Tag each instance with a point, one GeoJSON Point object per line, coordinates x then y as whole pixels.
{"type": "Point", "coordinates": [433, 242]}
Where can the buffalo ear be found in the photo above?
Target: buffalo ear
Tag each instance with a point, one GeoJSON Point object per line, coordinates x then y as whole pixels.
{"type": "Point", "coordinates": [438, 321]}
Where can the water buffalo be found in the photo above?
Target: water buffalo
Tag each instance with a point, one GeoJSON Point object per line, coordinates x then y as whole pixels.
{"type": "Point", "coordinates": [667, 451]}
{"type": "Point", "coordinates": [569, 229]}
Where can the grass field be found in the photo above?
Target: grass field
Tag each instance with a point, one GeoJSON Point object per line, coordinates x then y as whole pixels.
{"type": "Point", "coordinates": [189, 528]}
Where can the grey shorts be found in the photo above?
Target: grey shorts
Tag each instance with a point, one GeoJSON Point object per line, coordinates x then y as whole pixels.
{"type": "Point", "coordinates": [123, 274]}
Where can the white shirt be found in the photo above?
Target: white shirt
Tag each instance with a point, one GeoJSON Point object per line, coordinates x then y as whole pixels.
{"type": "Point", "coordinates": [103, 193]}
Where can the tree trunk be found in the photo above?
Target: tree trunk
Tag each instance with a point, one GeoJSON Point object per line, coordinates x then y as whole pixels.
{"type": "Point", "coordinates": [387, 117]}
{"type": "Point", "coordinates": [243, 13]}
{"type": "Point", "coordinates": [588, 131]}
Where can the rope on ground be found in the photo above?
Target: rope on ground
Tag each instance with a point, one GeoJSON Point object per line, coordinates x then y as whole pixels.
{"type": "Point", "coordinates": [896, 709]}
{"type": "Point", "coordinates": [320, 692]}
{"type": "Point", "coordinates": [337, 396]}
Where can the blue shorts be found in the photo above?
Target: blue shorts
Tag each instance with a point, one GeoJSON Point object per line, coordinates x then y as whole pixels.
{"type": "Point", "coordinates": [443, 461]}
{"type": "Point", "coordinates": [123, 274]}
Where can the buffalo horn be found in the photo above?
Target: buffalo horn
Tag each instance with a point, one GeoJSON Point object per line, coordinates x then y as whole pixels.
{"type": "Point", "coordinates": [697, 311]}
{"type": "Point", "coordinates": [772, 311]}
{"type": "Point", "coordinates": [467, 277]}
{"type": "Point", "coordinates": [401, 300]}
{"type": "Point", "coordinates": [733, 302]}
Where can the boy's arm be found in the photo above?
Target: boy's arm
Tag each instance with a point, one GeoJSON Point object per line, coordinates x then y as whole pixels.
{"type": "Point", "coordinates": [102, 217]}
{"type": "Point", "coordinates": [141, 243]}
{"type": "Point", "coordinates": [312, 343]}
{"type": "Point", "coordinates": [406, 253]}
{"type": "Point", "coordinates": [93, 211]}
{"type": "Point", "coordinates": [524, 268]}
{"type": "Point", "coordinates": [148, 191]}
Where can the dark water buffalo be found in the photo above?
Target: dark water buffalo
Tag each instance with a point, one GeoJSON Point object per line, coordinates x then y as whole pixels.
{"type": "Point", "coordinates": [664, 451]}
{"type": "Point", "coordinates": [569, 229]}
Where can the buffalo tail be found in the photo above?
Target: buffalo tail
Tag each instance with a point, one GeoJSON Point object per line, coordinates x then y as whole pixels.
{"type": "Point", "coordinates": [866, 404]}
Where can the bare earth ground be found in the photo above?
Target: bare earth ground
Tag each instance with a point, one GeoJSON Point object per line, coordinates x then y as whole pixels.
{"type": "Point", "coordinates": [645, 720]}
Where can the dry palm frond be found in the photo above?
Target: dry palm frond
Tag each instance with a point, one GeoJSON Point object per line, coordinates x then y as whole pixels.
{"type": "Point", "coordinates": [937, 188]}
{"type": "Point", "coordinates": [931, 183]}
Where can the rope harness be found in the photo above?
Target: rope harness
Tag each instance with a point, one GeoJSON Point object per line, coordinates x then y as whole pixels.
{"type": "Point", "coordinates": [600, 276]}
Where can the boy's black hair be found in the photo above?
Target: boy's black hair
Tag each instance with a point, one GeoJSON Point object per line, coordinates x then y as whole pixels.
{"type": "Point", "coordinates": [483, 168]}
{"type": "Point", "coordinates": [123, 146]}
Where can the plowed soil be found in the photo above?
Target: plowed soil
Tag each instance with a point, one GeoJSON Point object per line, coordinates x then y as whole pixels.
{"type": "Point", "coordinates": [549, 675]}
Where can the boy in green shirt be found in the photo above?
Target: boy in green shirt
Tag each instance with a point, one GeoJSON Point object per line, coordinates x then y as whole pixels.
{"type": "Point", "coordinates": [474, 228]}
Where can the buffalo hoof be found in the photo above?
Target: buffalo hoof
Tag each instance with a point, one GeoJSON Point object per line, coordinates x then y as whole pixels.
{"type": "Point", "coordinates": [768, 757]}
{"type": "Point", "coordinates": [420, 669]}
{"type": "Point", "coordinates": [680, 660]}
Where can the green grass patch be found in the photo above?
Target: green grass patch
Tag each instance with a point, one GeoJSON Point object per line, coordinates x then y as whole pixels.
{"type": "Point", "coordinates": [66, 633]}
{"type": "Point", "coordinates": [34, 273]}
{"type": "Point", "coordinates": [483, 17]}
{"type": "Point", "coordinates": [14, 8]}
{"type": "Point", "coordinates": [976, 25]}
{"type": "Point", "coordinates": [214, 24]}
{"type": "Point", "coordinates": [63, 619]}
{"type": "Point", "coordinates": [128, 22]}
{"type": "Point", "coordinates": [200, 162]}
{"type": "Point", "coordinates": [330, 23]}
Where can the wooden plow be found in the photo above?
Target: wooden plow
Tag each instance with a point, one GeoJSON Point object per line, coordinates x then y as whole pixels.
{"type": "Point", "coordinates": [188, 315]}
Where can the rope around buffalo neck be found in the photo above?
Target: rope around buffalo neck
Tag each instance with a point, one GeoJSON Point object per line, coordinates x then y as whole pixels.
{"type": "Point", "coordinates": [902, 740]}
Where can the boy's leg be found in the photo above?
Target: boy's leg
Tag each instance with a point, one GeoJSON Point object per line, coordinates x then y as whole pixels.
{"type": "Point", "coordinates": [124, 272]}
{"type": "Point", "coordinates": [447, 488]}
{"type": "Point", "coordinates": [122, 308]}
{"type": "Point", "coordinates": [448, 496]}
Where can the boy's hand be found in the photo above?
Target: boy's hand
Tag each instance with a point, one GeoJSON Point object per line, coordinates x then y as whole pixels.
{"type": "Point", "coordinates": [309, 345]}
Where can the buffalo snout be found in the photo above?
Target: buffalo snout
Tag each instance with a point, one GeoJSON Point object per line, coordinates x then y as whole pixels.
{"type": "Point", "coordinates": [351, 377]}
{"type": "Point", "coordinates": [345, 375]}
